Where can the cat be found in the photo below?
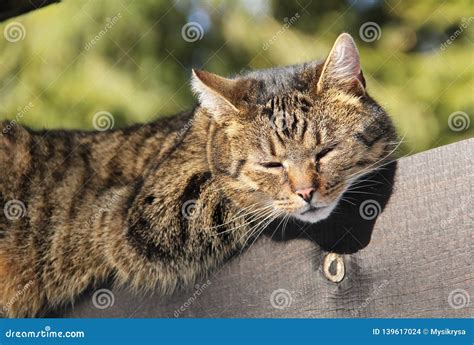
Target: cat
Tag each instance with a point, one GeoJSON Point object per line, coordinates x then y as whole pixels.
{"type": "Point", "coordinates": [159, 205]}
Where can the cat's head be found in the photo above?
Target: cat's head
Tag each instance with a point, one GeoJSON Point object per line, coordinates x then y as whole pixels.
{"type": "Point", "coordinates": [291, 140]}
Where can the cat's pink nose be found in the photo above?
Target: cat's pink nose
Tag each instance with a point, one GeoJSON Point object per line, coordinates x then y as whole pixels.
{"type": "Point", "coordinates": [305, 193]}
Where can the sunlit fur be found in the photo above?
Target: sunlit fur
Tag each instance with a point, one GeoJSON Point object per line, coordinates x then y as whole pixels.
{"type": "Point", "coordinates": [288, 117]}
{"type": "Point", "coordinates": [325, 121]}
{"type": "Point", "coordinates": [111, 204]}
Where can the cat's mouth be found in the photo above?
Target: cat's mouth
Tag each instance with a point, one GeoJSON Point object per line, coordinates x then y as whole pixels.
{"type": "Point", "coordinates": [315, 213]}
{"type": "Point", "coordinates": [313, 209]}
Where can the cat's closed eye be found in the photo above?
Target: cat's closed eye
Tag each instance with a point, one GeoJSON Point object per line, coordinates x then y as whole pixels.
{"type": "Point", "coordinates": [271, 165]}
{"type": "Point", "coordinates": [320, 155]}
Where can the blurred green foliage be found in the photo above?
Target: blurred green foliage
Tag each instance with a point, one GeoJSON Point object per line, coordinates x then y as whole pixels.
{"type": "Point", "coordinates": [130, 57]}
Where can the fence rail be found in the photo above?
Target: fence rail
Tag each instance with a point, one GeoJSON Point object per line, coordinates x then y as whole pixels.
{"type": "Point", "coordinates": [408, 245]}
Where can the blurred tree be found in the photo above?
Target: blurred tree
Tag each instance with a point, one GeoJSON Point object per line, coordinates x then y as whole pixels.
{"type": "Point", "coordinates": [62, 64]}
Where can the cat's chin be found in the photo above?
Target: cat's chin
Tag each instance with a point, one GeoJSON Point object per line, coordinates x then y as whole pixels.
{"type": "Point", "coordinates": [315, 214]}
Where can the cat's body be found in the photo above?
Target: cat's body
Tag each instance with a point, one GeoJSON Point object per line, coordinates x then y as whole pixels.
{"type": "Point", "coordinates": [81, 192]}
{"type": "Point", "coordinates": [120, 203]}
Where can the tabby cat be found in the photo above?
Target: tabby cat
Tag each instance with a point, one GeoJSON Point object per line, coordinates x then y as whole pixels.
{"type": "Point", "coordinates": [157, 206]}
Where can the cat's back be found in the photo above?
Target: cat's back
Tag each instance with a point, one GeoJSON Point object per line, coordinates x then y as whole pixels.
{"type": "Point", "coordinates": [30, 158]}
{"type": "Point", "coordinates": [14, 154]}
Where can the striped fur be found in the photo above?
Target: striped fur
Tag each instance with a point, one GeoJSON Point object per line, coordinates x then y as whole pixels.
{"type": "Point", "coordinates": [118, 203]}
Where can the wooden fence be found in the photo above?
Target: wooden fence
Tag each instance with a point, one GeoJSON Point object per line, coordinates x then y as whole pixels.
{"type": "Point", "coordinates": [404, 250]}
{"type": "Point", "coordinates": [408, 244]}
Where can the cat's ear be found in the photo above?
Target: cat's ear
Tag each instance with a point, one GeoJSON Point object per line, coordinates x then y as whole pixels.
{"type": "Point", "coordinates": [342, 67]}
{"type": "Point", "coordinates": [220, 96]}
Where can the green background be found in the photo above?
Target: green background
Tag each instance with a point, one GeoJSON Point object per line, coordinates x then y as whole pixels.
{"type": "Point", "coordinates": [139, 68]}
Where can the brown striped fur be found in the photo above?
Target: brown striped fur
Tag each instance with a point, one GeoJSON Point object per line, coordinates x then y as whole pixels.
{"type": "Point", "coordinates": [115, 204]}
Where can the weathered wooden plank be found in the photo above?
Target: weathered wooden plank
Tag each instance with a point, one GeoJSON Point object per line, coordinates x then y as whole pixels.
{"type": "Point", "coordinates": [415, 261]}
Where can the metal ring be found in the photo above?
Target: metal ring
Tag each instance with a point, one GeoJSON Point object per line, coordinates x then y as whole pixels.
{"type": "Point", "coordinates": [329, 260]}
